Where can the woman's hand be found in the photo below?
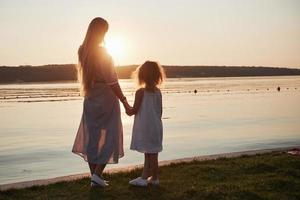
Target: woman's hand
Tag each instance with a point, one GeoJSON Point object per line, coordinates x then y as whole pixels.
{"type": "Point", "coordinates": [118, 92]}
{"type": "Point", "coordinates": [128, 108]}
{"type": "Point", "coordinates": [129, 112]}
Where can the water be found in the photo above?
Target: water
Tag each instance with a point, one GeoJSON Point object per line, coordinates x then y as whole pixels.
{"type": "Point", "coordinates": [39, 122]}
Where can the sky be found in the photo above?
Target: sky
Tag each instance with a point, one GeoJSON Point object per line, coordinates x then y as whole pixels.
{"type": "Point", "coordinates": [173, 32]}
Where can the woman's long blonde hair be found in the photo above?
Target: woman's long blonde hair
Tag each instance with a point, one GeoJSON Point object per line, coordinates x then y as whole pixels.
{"type": "Point", "coordinates": [87, 53]}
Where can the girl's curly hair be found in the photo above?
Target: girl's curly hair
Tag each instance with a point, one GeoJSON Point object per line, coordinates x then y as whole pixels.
{"type": "Point", "coordinates": [150, 74]}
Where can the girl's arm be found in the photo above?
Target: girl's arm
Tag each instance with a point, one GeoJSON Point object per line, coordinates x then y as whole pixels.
{"type": "Point", "coordinates": [137, 102]}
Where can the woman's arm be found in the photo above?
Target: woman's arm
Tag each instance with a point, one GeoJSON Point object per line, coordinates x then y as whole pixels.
{"type": "Point", "coordinates": [109, 74]}
{"type": "Point", "coordinates": [118, 92]}
{"type": "Point", "coordinates": [137, 102]}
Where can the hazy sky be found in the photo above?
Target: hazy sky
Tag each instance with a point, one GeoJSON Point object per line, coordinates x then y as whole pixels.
{"type": "Point", "coordinates": [181, 32]}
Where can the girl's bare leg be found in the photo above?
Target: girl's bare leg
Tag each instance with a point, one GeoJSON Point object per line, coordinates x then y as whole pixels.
{"type": "Point", "coordinates": [146, 170]}
{"type": "Point", "coordinates": [153, 157]}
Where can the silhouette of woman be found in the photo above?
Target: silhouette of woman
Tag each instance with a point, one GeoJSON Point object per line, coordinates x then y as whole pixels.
{"type": "Point", "coordinates": [99, 139]}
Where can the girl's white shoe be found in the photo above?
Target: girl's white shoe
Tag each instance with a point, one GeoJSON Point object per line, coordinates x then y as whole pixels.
{"type": "Point", "coordinates": [139, 182]}
{"type": "Point", "coordinates": [97, 181]}
{"type": "Point", "coordinates": [153, 182]}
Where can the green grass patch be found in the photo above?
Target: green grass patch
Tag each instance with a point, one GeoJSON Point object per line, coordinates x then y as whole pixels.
{"type": "Point", "coordinates": [266, 176]}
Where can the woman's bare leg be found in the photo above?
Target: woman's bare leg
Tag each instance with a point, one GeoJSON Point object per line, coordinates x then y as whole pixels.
{"type": "Point", "coordinates": [146, 170]}
{"type": "Point", "coordinates": [96, 169]}
{"type": "Point", "coordinates": [153, 157]}
{"type": "Point", "coordinates": [99, 169]}
{"type": "Point", "coordinates": [92, 168]}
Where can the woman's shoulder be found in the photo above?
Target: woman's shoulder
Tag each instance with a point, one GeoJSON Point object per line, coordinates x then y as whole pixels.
{"type": "Point", "coordinates": [101, 52]}
{"type": "Point", "coordinates": [102, 56]}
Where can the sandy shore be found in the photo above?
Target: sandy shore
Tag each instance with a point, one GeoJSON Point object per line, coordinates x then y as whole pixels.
{"type": "Point", "coordinates": [25, 184]}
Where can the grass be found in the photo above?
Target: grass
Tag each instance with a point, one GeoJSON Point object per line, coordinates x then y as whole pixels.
{"type": "Point", "coordinates": [266, 176]}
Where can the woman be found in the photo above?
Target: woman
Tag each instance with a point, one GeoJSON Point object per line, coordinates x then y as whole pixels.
{"type": "Point", "coordinates": [99, 139]}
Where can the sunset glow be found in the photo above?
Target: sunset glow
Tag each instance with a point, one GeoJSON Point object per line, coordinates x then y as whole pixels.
{"type": "Point", "coordinates": [218, 33]}
{"type": "Point", "coordinates": [116, 48]}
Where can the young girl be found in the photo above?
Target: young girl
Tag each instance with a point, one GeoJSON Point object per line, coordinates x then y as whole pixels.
{"type": "Point", "coordinates": [147, 130]}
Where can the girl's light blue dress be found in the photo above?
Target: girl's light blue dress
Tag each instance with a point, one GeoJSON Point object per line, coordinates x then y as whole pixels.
{"type": "Point", "coordinates": [147, 132]}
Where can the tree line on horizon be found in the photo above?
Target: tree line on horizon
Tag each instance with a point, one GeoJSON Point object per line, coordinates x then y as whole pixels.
{"type": "Point", "coordinates": [68, 72]}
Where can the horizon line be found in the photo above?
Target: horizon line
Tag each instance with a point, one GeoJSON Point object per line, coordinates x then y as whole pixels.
{"type": "Point", "coordinates": [165, 65]}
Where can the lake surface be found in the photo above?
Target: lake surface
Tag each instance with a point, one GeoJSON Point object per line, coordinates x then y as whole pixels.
{"type": "Point", "coordinates": [38, 122]}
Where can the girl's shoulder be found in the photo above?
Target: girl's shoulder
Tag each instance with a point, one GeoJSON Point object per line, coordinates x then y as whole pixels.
{"type": "Point", "coordinates": [152, 90]}
{"type": "Point", "coordinates": [157, 90]}
{"type": "Point", "coordinates": [159, 93]}
{"type": "Point", "coordinates": [140, 92]}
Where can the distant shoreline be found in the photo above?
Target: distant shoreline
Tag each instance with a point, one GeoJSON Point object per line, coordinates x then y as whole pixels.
{"type": "Point", "coordinates": [68, 72]}
{"type": "Point", "coordinates": [74, 81]}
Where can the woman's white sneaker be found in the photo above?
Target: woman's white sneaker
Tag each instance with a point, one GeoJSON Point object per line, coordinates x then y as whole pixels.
{"type": "Point", "coordinates": [97, 181]}
{"type": "Point", "coordinates": [139, 182]}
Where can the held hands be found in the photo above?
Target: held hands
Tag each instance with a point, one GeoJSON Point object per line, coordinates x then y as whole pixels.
{"type": "Point", "coordinates": [128, 108]}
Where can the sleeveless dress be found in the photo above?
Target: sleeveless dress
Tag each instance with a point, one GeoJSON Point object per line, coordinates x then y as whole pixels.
{"type": "Point", "coordinates": [99, 138]}
{"type": "Point", "coordinates": [147, 132]}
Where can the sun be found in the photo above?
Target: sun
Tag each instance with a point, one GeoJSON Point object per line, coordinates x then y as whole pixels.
{"type": "Point", "coordinates": [115, 47]}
